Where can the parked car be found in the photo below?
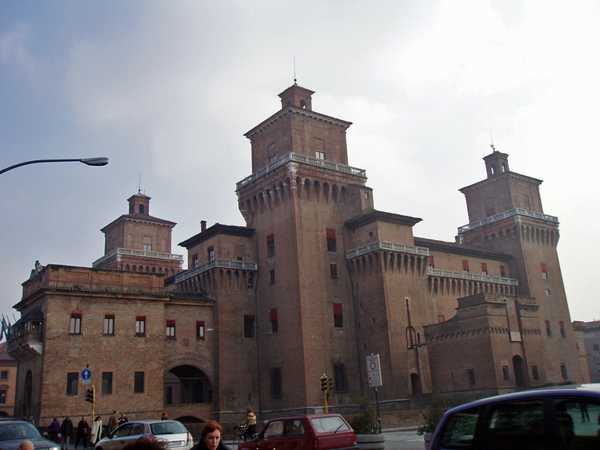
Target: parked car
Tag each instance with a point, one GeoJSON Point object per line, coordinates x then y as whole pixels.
{"type": "Point", "coordinates": [309, 432]}
{"type": "Point", "coordinates": [13, 432]}
{"type": "Point", "coordinates": [559, 418]}
{"type": "Point", "coordinates": [173, 433]}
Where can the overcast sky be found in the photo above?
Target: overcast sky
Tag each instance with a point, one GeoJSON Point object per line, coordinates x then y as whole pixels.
{"type": "Point", "coordinates": [166, 90]}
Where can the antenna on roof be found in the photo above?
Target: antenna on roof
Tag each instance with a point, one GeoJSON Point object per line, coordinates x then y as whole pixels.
{"type": "Point", "coordinates": [140, 184]}
{"type": "Point", "coordinates": [295, 80]}
{"type": "Point", "coordinates": [492, 141]}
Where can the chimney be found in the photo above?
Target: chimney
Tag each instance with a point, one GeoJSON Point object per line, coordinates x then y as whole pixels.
{"type": "Point", "coordinates": [203, 225]}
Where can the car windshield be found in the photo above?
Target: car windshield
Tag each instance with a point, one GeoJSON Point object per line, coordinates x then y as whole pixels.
{"type": "Point", "coordinates": [329, 424]}
{"type": "Point", "coordinates": [16, 431]}
{"type": "Point", "coordinates": [167, 428]}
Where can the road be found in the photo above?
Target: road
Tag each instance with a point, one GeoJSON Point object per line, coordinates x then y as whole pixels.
{"type": "Point", "coordinates": [403, 440]}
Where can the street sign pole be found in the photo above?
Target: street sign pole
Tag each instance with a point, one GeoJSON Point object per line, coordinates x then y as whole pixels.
{"type": "Point", "coordinates": [374, 375]}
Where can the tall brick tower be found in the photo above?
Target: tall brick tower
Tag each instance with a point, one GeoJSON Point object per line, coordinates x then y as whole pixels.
{"type": "Point", "coordinates": [506, 214]}
{"type": "Point", "coordinates": [297, 199]}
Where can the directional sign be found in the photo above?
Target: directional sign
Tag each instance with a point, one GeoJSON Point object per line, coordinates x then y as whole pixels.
{"type": "Point", "coordinates": [86, 374]}
{"type": "Point", "coordinates": [374, 371]}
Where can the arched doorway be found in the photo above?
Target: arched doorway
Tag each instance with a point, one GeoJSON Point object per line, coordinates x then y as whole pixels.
{"type": "Point", "coordinates": [519, 368]}
{"type": "Point", "coordinates": [187, 384]}
{"type": "Point", "coordinates": [28, 391]}
{"type": "Point", "coordinates": [415, 382]}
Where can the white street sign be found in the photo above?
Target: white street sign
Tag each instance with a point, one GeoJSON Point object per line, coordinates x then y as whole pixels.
{"type": "Point", "coordinates": [374, 371]}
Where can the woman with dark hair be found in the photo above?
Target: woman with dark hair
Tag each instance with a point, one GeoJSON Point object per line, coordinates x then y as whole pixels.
{"type": "Point", "coordinates": [211, 438]}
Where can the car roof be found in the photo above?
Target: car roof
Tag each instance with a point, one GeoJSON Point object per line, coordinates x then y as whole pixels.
{"type": "Point", "coordinates": [150, 422]}
{"type": "Point", "coordinates": [572, 390]}
{"type": "Point", "coordinates": [307, 416]}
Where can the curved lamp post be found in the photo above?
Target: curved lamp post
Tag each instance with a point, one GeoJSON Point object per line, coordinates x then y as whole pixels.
{"type": "Point", "coordinates": [88, 161]}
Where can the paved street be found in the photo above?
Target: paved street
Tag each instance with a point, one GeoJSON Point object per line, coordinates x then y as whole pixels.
{"type": "Point", "coordinates": [403, 440]}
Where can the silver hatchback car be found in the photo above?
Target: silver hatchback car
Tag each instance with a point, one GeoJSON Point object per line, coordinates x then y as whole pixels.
{"type": "Point", "coordinates": [171, 432]}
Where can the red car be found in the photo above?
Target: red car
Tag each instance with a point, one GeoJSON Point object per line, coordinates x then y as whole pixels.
{"type": "Point", "coordinates": [310, 432]}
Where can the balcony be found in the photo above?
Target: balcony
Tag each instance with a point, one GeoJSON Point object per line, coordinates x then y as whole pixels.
{"type": "Point", "coordinates": [25, 346]}
{"type": "Point", "coordinates": [296, 157]}
{"type": "Point", "coordinates": [471, 276]}
{"type": "Point", "coordinates": [118, 252]}
{"type": "Point", "coordinates": [504, 215]}
{"type": "Point", "coordinates": [215, 264]}
{"type": "Point", "coordinates": [389, 246]}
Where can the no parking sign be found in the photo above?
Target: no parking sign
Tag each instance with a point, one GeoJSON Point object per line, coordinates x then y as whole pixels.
{"type": "Point", "coordinates": [374, 371]}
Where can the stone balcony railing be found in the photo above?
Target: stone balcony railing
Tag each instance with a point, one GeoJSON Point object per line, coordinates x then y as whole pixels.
{"type": "Point", "coordinates": [471, 276]}
{"type": "Point", "coordinates": [296, 157]}
{"type": "Point", "coordinates": [215, 263]}
{"type": "Point", "coordinates": [390, 246]}
{"type": "Point", "coordinates": [143, 253]}
{"type": "Point", "coordinates": [504, 215]}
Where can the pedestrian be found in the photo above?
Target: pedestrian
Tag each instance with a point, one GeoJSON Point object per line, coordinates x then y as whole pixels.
{"type": "Point", "coordinates": [211, 438]}
{"type": "Point", "coordinates": [250, 422]}
{"type": "Point", "coordinates": [123, 419]}
{"type": "Point", "coordinates": [26, 445]}
{"type": "Point", "coordinates": [54, 430]}
{"type": "Point", "coordinates": [113, 422]}
{"type": "Point", "coordinates": [66, 429]}
{"type": "Point", "coordinates": [163, 416]}
{"type": "Point", "coordinates": [96, 430]}
{"type": "Point", "coordinates": [82, 431]}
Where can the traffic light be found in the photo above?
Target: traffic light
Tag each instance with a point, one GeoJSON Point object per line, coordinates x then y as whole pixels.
{"type": "Point", "coordinates": [330, 384]}
{"type": "Point", "coordinates": [324, 382]}
{"type": "Point", "coordinates": [90, 395]}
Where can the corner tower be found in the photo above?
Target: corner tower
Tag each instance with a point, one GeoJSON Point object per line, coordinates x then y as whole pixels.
{"type": "Point", "coordinates": [506, 214]}
{"type": "Point", "coordinates": [298, 197]}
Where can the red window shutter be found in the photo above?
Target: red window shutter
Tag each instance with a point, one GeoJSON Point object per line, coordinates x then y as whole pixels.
{"type": "Point", "coordinates": [502, 270]}
{"type": "Point", "coordinates": [170, 323]}
{"type": "Point", "coordinates": [543, 267]}
{"type": "Point", "coordinates": [465, 265]}
{"type": "Point", "coordinates": [248, 317]}
{"type": "Point", "coordinates": [484, 267]}
{"type": "Point", "coordinates": [109, 316]}
{"type": "Point", "coordinates": [210, 249]}
{"type": "Point", "coordinates": [273, 315]}
{"type": "Point", "coordinates": [562, 326]}
{"type": "Point", "coordinates": [140, 317]}
{"type": "Point", "coordinates": [77, 315]}
{"type": "Point", "coordinates": [200, 323]}
{"type": "Point", "coordinates": [441, 318]}
{"type": "Point", "coordinates": [270, 238]}
{"type": "Point", "coordinates": [337, 310]}
{"type": "Point", "coordinates": [431, 261]}
{"type": "Point", "coordinates": [547, 325]}
{"type": "Point", "coordinates": [330, 234]}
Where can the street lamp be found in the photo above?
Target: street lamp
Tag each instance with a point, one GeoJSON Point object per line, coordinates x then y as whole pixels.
{"type": "Point", "coordinates": [102, 161]}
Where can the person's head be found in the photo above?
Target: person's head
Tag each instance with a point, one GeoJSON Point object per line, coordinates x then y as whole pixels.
{"type": "Point", "coordinates": [83, 418]}
{"type": "Point", "coordinates": [249, 410]}
{"type": "Point", "coordinates": [211, 435]}
{"type": "Point", "coordinates": [97, 419]}
{"type": "Point", "coordinates": [26, 445]}
{"type": "Point", "coordinates": [145, 444]}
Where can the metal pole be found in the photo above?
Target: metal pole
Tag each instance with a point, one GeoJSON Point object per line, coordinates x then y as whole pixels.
{"type": "Point", "coordinates": [378, 414]}
{"type": "Point", "coordinates": [88, 161]}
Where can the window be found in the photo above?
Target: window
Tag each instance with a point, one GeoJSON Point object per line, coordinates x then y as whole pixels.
{"type": "Point", "coordinates": [147, 247]}
{"type": "Point", "coordinates": [460, 430]}
{"type": "Point", "coordinates": [109, 324]}
{"type": "Point", "coordinates": [200, 329]}
{"type": "Point", "coordinates": [441, 318]}
{"type": "Point", "coordinates": [331, 241]}
{"type": "Point", "coordinates": [596, 350]}
{"type": "Point", "coordinates": [563, 372]}
{"type": "Point", "coordinates": [276, 382]}
{"type": "Point", "coordinates": [211, 253]}
{"type": "Point", "coordinates": [319, 148]}
{"type": "Point", "coordinates": [107, 381]}
{"type": "Point", "coordinates": [544, 272]}
{"type": "Point", "coordinates": [320, 155]}
{"type": "Point", "coordinates": [140, 326]}
{"type": "Point", "coordinates": [548, 329]}
{"type": "Point", "coordinates": [340, 379]}
{"type": "Point", "coordinates": [249, 326]}
{"type": "Point", "coordinates": [490, 209]}
{"type": "Point", "coordinates": [274, 321]}
{"type": "Point", "coordinates": [75, 327]}
{"type": "Point", "coordinates": [465, 265]}
{"type": "Point", "coordinates": [270, 246]}
{"type": "Point", "coordinates": [563, 332]}
{"type": "Point", "coordinates": [272, 276]}
{"type": "Point", "coordinates": [484, 269]}
{"type": "Point", "coordinates": [505, 373]}
{"type": "Point", "coordinates": [72, 379]}
{"type": "Point", "coordinates": [251, 281]}
{"type": "Point", "coordinates": [598, 366]}
{"type": "Point", "coordinates": [471, 377]}
{"type": "Point", "coordinates": [2, 396]}
{"type": "Point", "coordinates": [272, 159]}
{"type": "Point", "coordinates": [338, 315]}
{"type": "Point", "coordinates": [535, 374]}
{"type": "Point", "coordinates": [502, 272]}
{"type": "Point", "coordinates": [170, 329]}
{"type": "Point", "coordinates": [194, 261]}
{"type": "Point", "coordinates": [431, 262]}
{"type": "Point", "coordinates": [571, 412]}
{"type": "Point", "coordinates": [4, 375]}
{"type": "Point", "coordinates": [333, 270]}
{"type": "Point", "coordinates": [138, 383]}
